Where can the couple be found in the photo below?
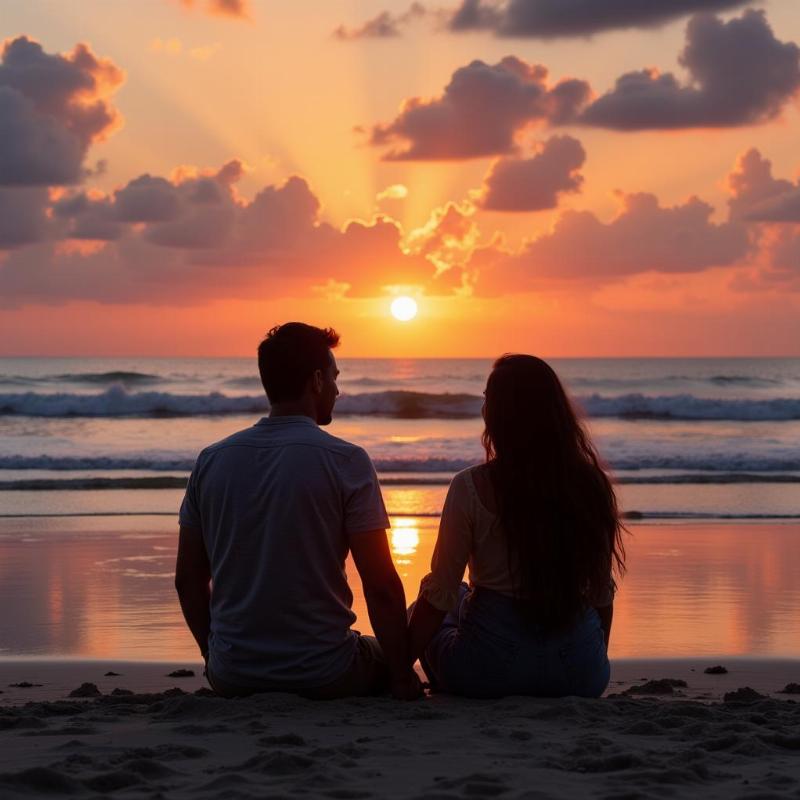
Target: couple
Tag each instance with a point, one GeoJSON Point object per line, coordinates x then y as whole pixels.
{"type": "Point", "coordinates": [271, 512]}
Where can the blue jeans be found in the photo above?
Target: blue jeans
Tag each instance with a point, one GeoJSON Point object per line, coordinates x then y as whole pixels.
{"type": "Point", "coordinates": [485, 648]}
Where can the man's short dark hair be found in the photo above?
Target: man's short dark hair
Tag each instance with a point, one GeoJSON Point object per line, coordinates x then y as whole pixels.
{"type": "Point", "coordinates": [289, 355]}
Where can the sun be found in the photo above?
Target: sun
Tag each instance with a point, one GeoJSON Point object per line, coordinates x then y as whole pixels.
{"type": "Point", "coordinates": [404, 308]}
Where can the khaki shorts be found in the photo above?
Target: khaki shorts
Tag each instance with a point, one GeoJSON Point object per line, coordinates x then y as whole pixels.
{"type": "Point", "coordinates": [367, 675]}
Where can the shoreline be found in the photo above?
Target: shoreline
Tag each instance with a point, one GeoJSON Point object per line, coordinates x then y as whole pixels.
{"type": "Point", "coordinates": [54, 677]}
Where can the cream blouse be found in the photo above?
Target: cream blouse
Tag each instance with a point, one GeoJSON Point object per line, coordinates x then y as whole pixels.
{"type": "Point", "coordinates": [471, 535]}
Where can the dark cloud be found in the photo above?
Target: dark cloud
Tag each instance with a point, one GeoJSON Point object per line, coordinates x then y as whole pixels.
{"type": "Point", "coordinates": [383, 26]}
{"type": "Point", "coordinates": [548, 19]}
{"type": "Point", "coordinates": [643, 237]}
{"type": "Point", "coordinates": [739, 74]}
{"type": "Point", "coordinates": [147, 199]}
{"type": "Point", "coordinates": [52, 107]}
{"type": "Point", "coordinates": [481, 110]}
{"type": "Point", "coordinates": [534, 184]}
{"type": "Point", "coordinates": [23, 218]}
{"type": "Point", "coordinates": [88, 218]}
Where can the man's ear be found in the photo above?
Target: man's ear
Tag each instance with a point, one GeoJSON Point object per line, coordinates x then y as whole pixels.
{"type": "Point", "coordinates": [317, 381]}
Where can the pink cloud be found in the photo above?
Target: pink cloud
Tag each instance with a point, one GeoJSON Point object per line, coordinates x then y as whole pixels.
{"type": "Point", "coordinates": [535, 183]}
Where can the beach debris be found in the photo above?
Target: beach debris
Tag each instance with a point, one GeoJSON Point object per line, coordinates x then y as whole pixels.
{"type": "Point", "coordinates": [181, 673]}
{"type": "Point", "coordinates": [661, 686]}
{"type": "Point", "coordinates": [790, 688]}
{"type": "Point", "coordinates": [174, 692]}
{"type": "Point", "coordinates": [745, 694]}
{"type": "Point", "coordinates": [23, 685]}
{"type": "Point", "coordinates": [86, 690]}
{"type": "Point", "coordinates": [718, 670]}
{"type": "Point", "coordinates": [121, 692]}
{"type": "Point", "coordinates": [204, 691]}
{"type": "Point", "coordinates": [112, 674]}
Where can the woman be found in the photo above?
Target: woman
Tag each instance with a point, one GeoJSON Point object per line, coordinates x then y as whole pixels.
{"type": "Point", "coordinates": [539, 527]}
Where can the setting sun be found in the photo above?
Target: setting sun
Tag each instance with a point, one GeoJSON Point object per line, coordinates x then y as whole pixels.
{"type": "Point", "coordinates": [404, 309]}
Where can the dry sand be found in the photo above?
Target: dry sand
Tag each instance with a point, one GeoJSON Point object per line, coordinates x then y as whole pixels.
{"type": "Point", "coordinates": [166, 741]}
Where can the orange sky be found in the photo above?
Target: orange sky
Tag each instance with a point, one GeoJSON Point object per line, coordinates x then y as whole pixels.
{"type": "Point", "coordinates": [175, 181]}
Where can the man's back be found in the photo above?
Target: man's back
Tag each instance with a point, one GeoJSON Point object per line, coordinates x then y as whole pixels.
{"type": "Point", "coordinates": [276, 503]}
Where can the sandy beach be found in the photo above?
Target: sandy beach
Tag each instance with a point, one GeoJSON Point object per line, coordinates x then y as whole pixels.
{"type": "Point", "coordinates": [150, 735]}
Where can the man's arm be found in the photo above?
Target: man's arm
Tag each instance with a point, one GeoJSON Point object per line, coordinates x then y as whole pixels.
{"type": "Point", "coordinates": [606, 615]}
{"type": "Point", "coordinates": [386, 604]}
{"type": "Point", "coordinates": [193, 584]}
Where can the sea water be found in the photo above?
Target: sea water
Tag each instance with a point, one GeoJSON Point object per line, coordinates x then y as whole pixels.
{"type": "Point", "coordinates": [684, 438]}
{"type": "Point", "coordinates": [94, 455]}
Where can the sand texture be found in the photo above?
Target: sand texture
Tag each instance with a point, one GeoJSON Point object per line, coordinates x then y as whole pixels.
{"type": "Point", "coordinates": [185, 743]}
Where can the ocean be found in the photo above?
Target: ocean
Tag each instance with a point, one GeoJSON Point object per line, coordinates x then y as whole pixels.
{"type": "Point", "coordinates": [684, 438]}
{"type": "Point", "coordinates": [95, 453]}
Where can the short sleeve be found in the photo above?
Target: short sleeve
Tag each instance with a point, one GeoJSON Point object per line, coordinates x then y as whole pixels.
{"type": "Point", "coordinates": [453, 547]}
{"type": "Point", "coordinates": [363, 502]}
{"type": "Point", "coordinates": [189, 515]}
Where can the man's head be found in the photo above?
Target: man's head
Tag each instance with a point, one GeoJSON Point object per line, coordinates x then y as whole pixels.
{"type": "Point", "coordinates": [297, 366]}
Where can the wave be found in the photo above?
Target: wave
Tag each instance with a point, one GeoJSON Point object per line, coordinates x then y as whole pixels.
{"type": "Point", "coordinates": [179, 482]}
{"type": "Point", "coordinates": [689, 468]}
{"type": "Point", "coordinates": [691, 408]}
{"type": "Point", "coordinates": [119, 402]}
{"type": "Point", "coordinates": [120, 376]}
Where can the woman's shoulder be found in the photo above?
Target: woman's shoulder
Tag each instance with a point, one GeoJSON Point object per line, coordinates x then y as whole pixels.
{"type": "Point", "coordinates": [475, 482]}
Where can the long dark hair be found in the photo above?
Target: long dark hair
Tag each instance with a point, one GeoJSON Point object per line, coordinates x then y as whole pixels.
{"type": "Point", "coordinates": [556, 504]}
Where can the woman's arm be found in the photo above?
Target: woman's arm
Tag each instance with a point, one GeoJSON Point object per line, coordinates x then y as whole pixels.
{"type": "Point", "coordinates": [425, 621]}
{"type": "Point", "coordinates": [439, 589]}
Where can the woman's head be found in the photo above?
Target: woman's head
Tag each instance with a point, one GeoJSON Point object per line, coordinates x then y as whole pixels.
{"type": "Point", "coordinates": [557, 506]}
{"type": "Point", "coordinates": [526, 407]}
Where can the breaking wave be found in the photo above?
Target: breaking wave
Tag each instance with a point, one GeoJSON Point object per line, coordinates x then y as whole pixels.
{"type": "Point", "coordinates": [117, 401]}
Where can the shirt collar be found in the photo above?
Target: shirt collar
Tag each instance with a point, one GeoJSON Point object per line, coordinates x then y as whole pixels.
{"type": "Point", "coordinates": [300, 419]}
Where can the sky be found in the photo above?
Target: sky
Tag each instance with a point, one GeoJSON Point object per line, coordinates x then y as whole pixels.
{"type": "Point", "coordinates": [178, 176]}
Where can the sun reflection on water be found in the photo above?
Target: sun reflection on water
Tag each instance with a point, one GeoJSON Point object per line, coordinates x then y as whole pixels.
{"type": "Point", "coordinates": [405, 539]}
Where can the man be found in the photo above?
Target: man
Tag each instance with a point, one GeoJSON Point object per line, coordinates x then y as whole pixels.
{"type": "Point", "coordinates": [269, 516]}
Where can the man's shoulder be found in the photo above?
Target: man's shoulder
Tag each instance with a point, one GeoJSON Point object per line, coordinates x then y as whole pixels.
{"type": "Point", "coordinates": [339, 446]}
{"type": "Point", "coordinates": [306, 436]}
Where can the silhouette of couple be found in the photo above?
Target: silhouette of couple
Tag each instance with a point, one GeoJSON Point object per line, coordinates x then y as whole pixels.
{"type": "Point", "coordinates": [271, 513]}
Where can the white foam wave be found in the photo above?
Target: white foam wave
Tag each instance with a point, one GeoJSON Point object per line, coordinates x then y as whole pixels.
{"type": "Point", "coordinates": [119, 402]}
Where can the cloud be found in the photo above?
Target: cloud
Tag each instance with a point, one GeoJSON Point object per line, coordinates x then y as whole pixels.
{"type": "Point", "coordinates": [756, 195]}
{"type": "Point", "coordinates": [739, 74]}
{"type": "Point", "coordinates": [448, 240]}
{"type": "Point", "coordinates": [643, 237]}
{"type": "Point", "coordinates": [172, 46]}
{"type": "Point", "coordinates": [547, 19]}
{"type": "Point", "coordinates": [773, 205]}
{"type": "Point", "coordinates": [481, 110]}
{"type": "Point", "coordinates": [192, 237]}
{"type": "Point", "coordinates": [52, 108]}
{"type": "Point", "coordinates": [23, 218]}
{"type": "Point", "coordinates": [88, 218]}
{"type": "Point", "coordinates": [397, 191]}
{"type": "Point", "coordinates": [534, 184]}
{"type": "Point", "coordinates": [233, 9]}
{"type": "Point", "coordinates": [383, 26]}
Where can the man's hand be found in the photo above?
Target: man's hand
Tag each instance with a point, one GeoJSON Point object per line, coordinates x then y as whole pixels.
{"type": "Point", "coordinates": [407, 687]}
